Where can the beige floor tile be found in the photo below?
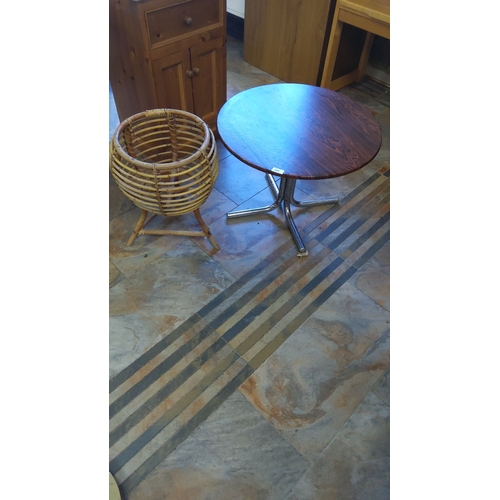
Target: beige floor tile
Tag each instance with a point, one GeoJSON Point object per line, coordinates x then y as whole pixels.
{"type": "Point", "coordinates": [158, 298]}
{"type": "Point", "coordinates": [355, 465]}
{"type": "Point", "coordinates": [311, 385]}
{"type": "Point", "coordinates": [373, 278]}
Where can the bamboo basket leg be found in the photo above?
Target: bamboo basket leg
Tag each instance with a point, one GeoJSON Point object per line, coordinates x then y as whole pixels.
{"type": "Point", "coordinates": [205, 229]}
{"type": "Point", "coordinates": [138, 227]}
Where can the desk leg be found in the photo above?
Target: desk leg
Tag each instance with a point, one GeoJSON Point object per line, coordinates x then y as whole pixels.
{"type": "Point", "coordinates": [288, 196]}
{"type": "Point", "coordinates": [272, 185]}
{"type": "Point", "coordinates": [261, 210]}
{"type": "Point", "coordinates": [314, 203]}
{"type": "Point", "coordinates": [297, 203]}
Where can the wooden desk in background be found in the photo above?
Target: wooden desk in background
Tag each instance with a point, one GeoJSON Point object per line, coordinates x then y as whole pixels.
{"type": "Point", "coordinates": [373, 16]}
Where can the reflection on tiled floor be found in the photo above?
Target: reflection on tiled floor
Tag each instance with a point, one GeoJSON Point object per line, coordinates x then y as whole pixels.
{"type": "Point", "coordinates": [251, 373]}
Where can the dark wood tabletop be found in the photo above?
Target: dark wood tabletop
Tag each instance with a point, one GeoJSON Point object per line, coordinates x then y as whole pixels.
{"type": "Point", "coordinates": [305, 131]}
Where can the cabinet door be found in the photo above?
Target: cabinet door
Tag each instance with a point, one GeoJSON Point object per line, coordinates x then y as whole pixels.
{"type": "Point", "coordinates": [173, 82]}
{"type": "Point", "coordinates": [208, 62]}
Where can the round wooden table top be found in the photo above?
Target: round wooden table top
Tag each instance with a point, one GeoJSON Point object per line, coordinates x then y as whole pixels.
{"type": "Point", "coordinates": [306, 132]}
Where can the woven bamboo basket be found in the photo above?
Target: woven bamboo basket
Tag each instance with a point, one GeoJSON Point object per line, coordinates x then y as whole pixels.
{"type": "Point", "coordinates": [166, 162]}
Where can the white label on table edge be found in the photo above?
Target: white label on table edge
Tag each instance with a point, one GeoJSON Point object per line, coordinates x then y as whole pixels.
{"type": "Point", "coordinates": [277, 170]}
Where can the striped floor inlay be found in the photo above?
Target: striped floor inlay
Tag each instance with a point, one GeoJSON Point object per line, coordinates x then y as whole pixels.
{"type": "Point", "coordinates": [163, 396]}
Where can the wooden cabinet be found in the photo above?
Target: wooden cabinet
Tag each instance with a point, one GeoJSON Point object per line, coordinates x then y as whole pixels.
{"type": "Point", "coordinates": [168, 53]}
{"type": "Point", "coordinates": [287, 38]}
{"type": "Point", "coordinates": [189, 79]}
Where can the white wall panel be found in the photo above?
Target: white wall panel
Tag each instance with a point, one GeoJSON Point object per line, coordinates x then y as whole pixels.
{"type": "Point", "coordinates": [236, 7]}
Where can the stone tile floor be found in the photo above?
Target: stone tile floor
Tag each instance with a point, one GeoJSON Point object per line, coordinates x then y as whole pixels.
{"type": "Point", "coordinates": [250, 373]}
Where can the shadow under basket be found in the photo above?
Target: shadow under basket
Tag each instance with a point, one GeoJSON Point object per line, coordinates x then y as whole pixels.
{"type": "Point", "coordinates": [165, 161]}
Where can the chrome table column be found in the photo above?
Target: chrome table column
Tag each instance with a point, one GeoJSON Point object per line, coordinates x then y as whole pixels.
{"type": "Point", "coordinates": [286, 194]}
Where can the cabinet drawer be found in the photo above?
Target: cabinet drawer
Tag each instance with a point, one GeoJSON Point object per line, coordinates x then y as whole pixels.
{"type": "Point", "coordinates": [181, 19]}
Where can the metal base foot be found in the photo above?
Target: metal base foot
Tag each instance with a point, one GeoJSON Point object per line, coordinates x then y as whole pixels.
{"type": "Point", "coordinates": [284, 193]}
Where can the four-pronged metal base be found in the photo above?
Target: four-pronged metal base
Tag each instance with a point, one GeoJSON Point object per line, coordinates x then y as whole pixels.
{"type": "Point", "coordinates": [286, 194]}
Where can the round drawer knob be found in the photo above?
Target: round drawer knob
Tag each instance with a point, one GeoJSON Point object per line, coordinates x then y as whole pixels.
{"type": "Point", "coordinates": [196, 71]}
{"type": "Point", "coordinates": [189, 74]}
{"type": "Point", "coordinates": [188, 20]}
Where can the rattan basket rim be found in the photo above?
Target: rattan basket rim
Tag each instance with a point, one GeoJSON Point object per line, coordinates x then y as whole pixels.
{"type": "Point", "coordinates": [159, 112]}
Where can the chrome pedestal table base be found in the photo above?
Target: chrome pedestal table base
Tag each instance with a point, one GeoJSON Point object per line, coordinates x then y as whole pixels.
{"type": "Point", "coordinates": [286, 194]}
